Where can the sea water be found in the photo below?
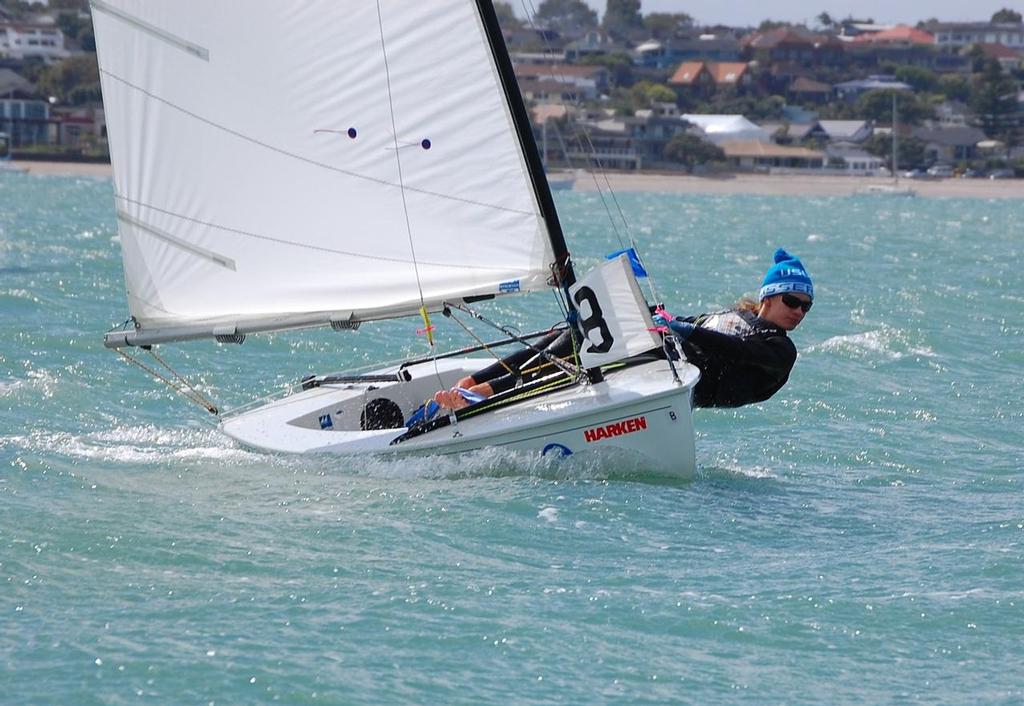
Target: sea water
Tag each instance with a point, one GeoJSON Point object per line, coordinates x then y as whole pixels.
{"type": "Point", "coordinates": [858, 539]}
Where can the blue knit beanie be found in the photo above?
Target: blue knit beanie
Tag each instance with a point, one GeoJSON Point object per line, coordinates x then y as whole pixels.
{"type": "Point", "coordinates": [786, 275]}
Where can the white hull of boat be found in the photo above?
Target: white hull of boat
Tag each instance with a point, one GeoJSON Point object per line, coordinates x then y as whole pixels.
{"type": "Point", "coordinates": [637, 411]}
{"type": "Point", "coordinates": [887, 190]}
{"type": "Point", "coordinates": [561, 181]}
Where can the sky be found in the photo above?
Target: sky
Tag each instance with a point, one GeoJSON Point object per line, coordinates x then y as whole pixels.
{"type": "Point", "coordinates": [751, 12]}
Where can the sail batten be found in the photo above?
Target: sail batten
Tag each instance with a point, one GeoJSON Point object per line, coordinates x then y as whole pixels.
{"type": "Point", "coordinates": [259, 188]}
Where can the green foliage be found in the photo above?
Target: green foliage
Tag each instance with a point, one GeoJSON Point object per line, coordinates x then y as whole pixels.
{"type": "Point", "coordinates": [692, 150]}
{"type": "Point", "coordinates": [918, 78]}
{"type": "Point", "coordinates": [955, 87]}
{"type": "Point", "coordinates": [621, 17]}
{"type": "Point", "coordinates": [909, 150]}
{"type": "Point", "coordinates": [620, 66]}
{"type": "Point", "coordinates": [769, 25]}
{"type": "Point", "coordinates": [825, 20]}
{"type": "Point", "coordinates": [994, 101]}
{"type": "Point", "coordinates": [645, 94]}
{"type": "Point", "coordinates": [565, 15]}
{"type": "Point", "coordinates": [74, 81]}
{"type": "Point", "coordinates": [506, 16]}
{"type": "Point", "coordinates": [1007, 15]}
{"type": "Point", "coordinates": [877, 106]}
{"type": "Point", "coordinates": [752, 107]}
{"type": "Point", "coordinates": [666, 25]}
{"type": "Point", "coordinates": [978, 58]}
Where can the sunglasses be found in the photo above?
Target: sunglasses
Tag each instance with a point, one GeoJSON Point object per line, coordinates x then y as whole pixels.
{"type": "Point", "coordinates": [796, 303]}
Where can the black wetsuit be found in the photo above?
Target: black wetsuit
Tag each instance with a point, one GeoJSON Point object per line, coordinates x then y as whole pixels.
{"type": "Point", "coordinates": [748, 364]}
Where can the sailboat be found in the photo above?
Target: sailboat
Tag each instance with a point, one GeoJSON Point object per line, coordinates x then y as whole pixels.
{"type": "Point", "coordinates": [282, 166]}
{"type": "Point", "coordinates": [893, 189]}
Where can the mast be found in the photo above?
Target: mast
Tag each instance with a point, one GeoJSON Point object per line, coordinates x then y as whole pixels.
{"type": "Point", "coordinates": [895, 170]}
{"type": "Point", "coordinates": [521, 120]}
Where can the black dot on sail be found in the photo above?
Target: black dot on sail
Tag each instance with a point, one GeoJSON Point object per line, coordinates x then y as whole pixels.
{"type": "Point", "coordinates": [352, 133]}
{"type": "Point", "coordinates": [425, 144]}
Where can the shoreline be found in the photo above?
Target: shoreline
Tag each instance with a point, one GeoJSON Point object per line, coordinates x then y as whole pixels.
{"type": "Point", "coordinates": [754, 184]}
{"type": "Point", "coordinates": [796, 185]}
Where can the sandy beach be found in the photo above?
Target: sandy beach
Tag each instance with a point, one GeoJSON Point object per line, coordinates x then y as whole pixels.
{"type": "Point", "coordinates": [796, 185]}
{"type": "Point", "coordinates": [774, 185]}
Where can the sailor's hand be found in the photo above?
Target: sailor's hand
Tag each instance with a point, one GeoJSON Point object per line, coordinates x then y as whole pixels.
{"type": "Point", "coordinates": [682, 329]}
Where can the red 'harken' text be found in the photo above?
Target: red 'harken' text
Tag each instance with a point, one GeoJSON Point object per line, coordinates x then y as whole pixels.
{"type": "Point", "coordinates": [615, 429]}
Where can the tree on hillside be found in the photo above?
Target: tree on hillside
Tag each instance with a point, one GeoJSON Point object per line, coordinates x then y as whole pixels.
{"type": "Point", "coordinates": [645, 94]}
{"type": "Point", "coordinates": [877, 106]}
{"type": "Point", "coordinates": [506, 16]}
{"type": "Point", "coordinates": [565, 15]}
{"type": "Point", "coordinates": [621, 17]}
{"type": "Point", "coordinates": [955, 87]}
{"type": "Point", "coordinates": [1007, 15]}
{"type": "Point", "coordinates": [666, 25]}
{"type": "Point", "coordinates": [917, 77]}
{"type": "Point", "coordinates": [909, 150]}
{"type": "Point", "coordinates": [728, 103]}
{"type": "Point", "coordinates": [994, 101]}
{"type": "Point", "coordinates": [74, 81]}
{"type": "Point", "coordinates": [74, 5]}
{"type": "Point", "coordinates": [619, 65]}
{"type": "Point", "coordinates": [769, 25]}
{"type": "Point", "coordinates": [692, 150]}
{"type": "Point", "coordinates": [825, 20]}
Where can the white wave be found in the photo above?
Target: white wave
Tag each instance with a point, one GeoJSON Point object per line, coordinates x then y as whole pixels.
{"type": "Point", "coordinates": [152, 445]}
{"type": "Point", "coordinates": [548, 514]}
{"type": "Point", "coordinates": [8, 387]}
{"type": "Point", "coordinates": [139, 445]}
{"type": "Point", "coordinates": [733, 467]}
{"type": "Point", "coordinates": [20, 294]}
{"type": "Point", "coordinates": [886, 343]}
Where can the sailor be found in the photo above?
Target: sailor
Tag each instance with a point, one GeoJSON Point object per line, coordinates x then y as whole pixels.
{"type": "Point", "coordinates": [744, 354]}
{"type": "Point", "coordinates": [520, 367]}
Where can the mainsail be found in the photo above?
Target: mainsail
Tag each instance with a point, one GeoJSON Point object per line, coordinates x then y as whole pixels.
{"type": "Point", "coordinates": [283, 164]}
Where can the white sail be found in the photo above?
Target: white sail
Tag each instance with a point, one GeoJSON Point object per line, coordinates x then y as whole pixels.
{"type": "Point", "coordinates": [281, 164]}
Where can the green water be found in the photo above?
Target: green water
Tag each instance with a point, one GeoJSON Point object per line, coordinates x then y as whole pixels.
{"type": "Point", "coordinates": [855, 540]}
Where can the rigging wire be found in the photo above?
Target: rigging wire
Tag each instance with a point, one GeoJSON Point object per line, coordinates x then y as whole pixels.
{"type": "Point", "coordinates": [582, 138]}
{"type": "Point", "coordinates": [180, 385]}
{"type": "Point", "coordinates": [427, 328]}
{"type": "Point", "coordinates": [563, 365]}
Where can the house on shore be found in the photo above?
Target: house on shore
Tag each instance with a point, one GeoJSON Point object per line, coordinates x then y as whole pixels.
{"type": "Point", "coordinates": [754, 155]}
{"type": "Point", "coordinates": [704, 78]}
{"type": "Point", "coordinates": [949, 145]}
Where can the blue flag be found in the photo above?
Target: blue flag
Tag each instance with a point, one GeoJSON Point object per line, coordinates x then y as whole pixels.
{"type": "Point", "coordinates": [634, 260]}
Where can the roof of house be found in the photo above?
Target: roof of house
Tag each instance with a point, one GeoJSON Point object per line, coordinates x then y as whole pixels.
{"type": "Point", "coordinates": [808, 85]}
{"type": "Point", "coordinates": [934, 26]}
{"type": "Point", "coordinates": [530, 86]}
{"type": "Point", "coordinates": [842, 129]}
{"type": "Point", "coordinates": [756, 148]}
{"type": "Point", "coordinates": [687, 73]}
{"type": "Point", "coordinates": [560, 70]}
{"type": "Point", "coordinates": [797, 131]}
{"type": "Point", "coordinates": [727, 127]}
{"type": "Point", "coordinates": [11, 82]}
{"type": "Point", "coordinates": [872, 83]}
{"type": "Point", "coordinates": [999, 51]}
{"type": "Point", "coordinates": [900, 34]}
{"type": "Point", "coordinates": [849, 150]}
{"type": "Point", "coordinates": [727, 72]}
{"type": "Point", "coordinates": [949, 136]}
{"type": "Point", "coordinates": [787, 35]}
{"type": "Point", "coordinates": [723, 73]}
{"type": "Point", "coordinates": [542, 112]}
